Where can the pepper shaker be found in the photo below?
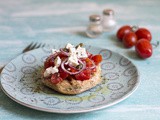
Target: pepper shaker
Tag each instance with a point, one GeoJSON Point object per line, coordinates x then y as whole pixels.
{"type": "Point", "coordinates": [95, 28]}
{"type": "Point", "coordinates": [109, 22]}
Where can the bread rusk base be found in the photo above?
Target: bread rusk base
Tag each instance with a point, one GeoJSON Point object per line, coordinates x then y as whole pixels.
{"type": "Point", "coordinates": [72, 87]}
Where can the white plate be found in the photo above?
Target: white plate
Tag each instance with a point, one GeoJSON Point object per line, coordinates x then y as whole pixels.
{"type": "Point", "coordinates": [21, 81]}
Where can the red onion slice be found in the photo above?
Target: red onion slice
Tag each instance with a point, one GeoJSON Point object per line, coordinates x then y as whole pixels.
{"type": "Point", "coordinates": [64, 52]}
{"type": "Point", "coordinates": [52, 56]}
{"type": "Point", "coordinates": [72, 73]}
{"type": "Point", "coordinates": [94, 65]}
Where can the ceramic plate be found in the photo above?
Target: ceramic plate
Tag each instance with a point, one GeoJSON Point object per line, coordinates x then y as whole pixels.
{"type": "Point", "coordinates": [21, 81]}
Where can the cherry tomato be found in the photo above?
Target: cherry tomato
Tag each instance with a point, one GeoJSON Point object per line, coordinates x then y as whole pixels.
{"type": "Point", "coordinates": [84, 75]}
{"type": "Point", "coordinates": [97, 59]}
{"type": "Point", "coordinates": [144, 48]}
{"type": "Point", "coordinates": [143, 33]}
{"type": "Point", "coordinates": [122, 31]}
{"type": "Point", "coordinates": [129, 40]}
{"type": "Point", "coordinates": [55, 79]}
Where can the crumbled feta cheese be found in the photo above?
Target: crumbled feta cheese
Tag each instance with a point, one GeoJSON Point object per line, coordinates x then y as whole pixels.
{"type": "Point", "coordinates": [72, 51]}
{"type": "Point", "coordinates": [57, 61]}
{"type": "Point", "coordinates": [54, 70]}
{"type": "Point", "coordinates": [69, 46]}
{"type": "Point", "coordinates": [81, 52]}
{"type": "Point", "coordinates": [54, 51]}
{"type": "Point", "coordinates": [75, 54]}
{"type": "Point", "coordinates": [46, 74]}
{"type": "Point", "coordinates": [73, 60]}
{"type": "Point", "coordinates": [50, 70]}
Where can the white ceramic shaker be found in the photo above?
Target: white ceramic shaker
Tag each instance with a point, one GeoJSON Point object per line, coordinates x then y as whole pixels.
{"type": "Point", "coordinates": [94, 28]}
{"type": "Point", "coordinates": [108, 22]}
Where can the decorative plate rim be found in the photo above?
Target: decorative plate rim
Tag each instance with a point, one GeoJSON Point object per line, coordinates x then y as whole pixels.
{"type": "Point", "coordinates": [99, 107]}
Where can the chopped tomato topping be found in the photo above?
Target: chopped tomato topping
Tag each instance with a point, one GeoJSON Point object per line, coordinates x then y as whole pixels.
{"type": "Point", "coordinates": [46, 64]}
{"type": "Point", "coordinates": [72, 69]}
{"type": "Point", "coordinates": [61, 55]}
{"type": "Point", "coordinates": [62, 73]}
{"type": "Point", "coordinates": [55, 78]}
{"type": "Point", "coordinates": [88, 62]}
{"type": "Point", "coordinates": [49, 61]}
{"type": "Point", "coordinates": [97, 59]}
{"type": "Point", "coordinates": [84, 75]}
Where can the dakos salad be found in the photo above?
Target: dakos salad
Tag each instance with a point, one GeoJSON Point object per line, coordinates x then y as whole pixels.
{"type": "Point", "coordinates": [72, 69]}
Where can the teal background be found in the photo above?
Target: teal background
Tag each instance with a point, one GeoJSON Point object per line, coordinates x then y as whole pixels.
{"type": "Point", "coordinates": [62, 21]}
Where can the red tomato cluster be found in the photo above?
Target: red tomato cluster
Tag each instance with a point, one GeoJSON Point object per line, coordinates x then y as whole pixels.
{"type": "Point", "coordinates": [140, 39]}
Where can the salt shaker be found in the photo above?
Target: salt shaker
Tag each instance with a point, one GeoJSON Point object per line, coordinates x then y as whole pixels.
{"type": "Point", "coordinates": [108, 22]}
{"type": "Point", "coordinates": [95, 28]}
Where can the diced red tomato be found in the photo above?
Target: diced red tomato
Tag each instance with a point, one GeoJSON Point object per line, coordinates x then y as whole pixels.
{"type": "Point", "coordinates": [97, 59]}
{"type": "Point", "coordinates": [55, 78]}
{"type": "Point", "coordinates": [46, 64]}
{"type": "Point", "coordinates": [62, 73]}
{"type": "Point", "coordinates": [88, 62]}
{"type": "Point", "coordinates": [72, 69]}
{"type": "Point", "coordinates": [84, 75]}
{"type": "Point", "coordinates": [49, 61]}
{"type": "Point", "coordinates": [61, 55]}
